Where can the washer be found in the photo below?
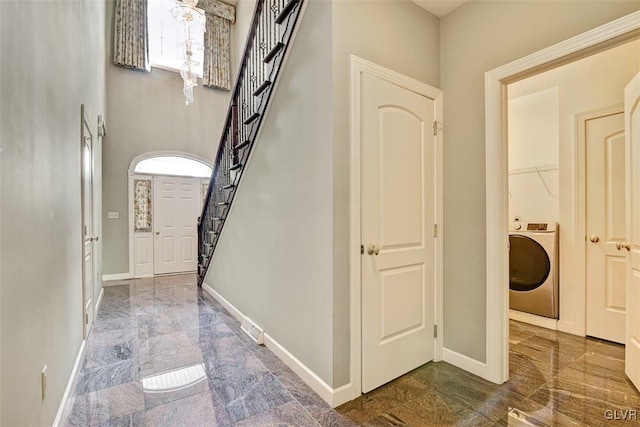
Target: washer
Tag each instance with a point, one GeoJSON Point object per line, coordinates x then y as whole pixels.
{"type": "Point", "coordinates": [533, 268]}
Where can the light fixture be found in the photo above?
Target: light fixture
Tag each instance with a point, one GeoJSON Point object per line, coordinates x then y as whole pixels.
{"type": "Point", "coordinates": [193, 28]}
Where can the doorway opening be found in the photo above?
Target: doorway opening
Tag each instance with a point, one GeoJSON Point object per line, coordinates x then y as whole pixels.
{"type": "Point", "coordinates": [584, 46]}
{"type": "Point", "coordinates": [166, 192]}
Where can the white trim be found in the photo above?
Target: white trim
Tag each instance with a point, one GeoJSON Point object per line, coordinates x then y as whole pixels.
{"type": "Point", "coordinates": [223, 302]}
{"type": "Point", "coordinates": [67, 389]}
{"type": "Point", "coordinates": [98, 302]}
{"type": "Point", "coordinates": [532, 319]}
{"type": "Point", "coordinates": [333, 397]}
{"type": "Point", "coordinates": [111, 277]}
{"type": "Point", "coordinates": [496, 166]}
{"type": "Point", "coordinates": [359, 66]}
{"type": "Point", "coordinates": [464, 362]}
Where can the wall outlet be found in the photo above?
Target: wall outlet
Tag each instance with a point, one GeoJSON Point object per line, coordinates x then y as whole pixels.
{"type": "Point", "coordinates": [43, 382]}
{"type": "Point", "coordinates": [113, 215]}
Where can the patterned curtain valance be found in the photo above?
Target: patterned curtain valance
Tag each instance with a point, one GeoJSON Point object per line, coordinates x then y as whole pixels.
{"type": "Point", "coordinates": [217, 53]}
{"type": "Point", "coordinates": [131, 35]}
{"type": "Point", "coordinates": [219, 8]}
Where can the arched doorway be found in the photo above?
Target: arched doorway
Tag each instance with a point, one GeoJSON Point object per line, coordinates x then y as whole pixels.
{"type": "Point", "coordinates": [166, 191]}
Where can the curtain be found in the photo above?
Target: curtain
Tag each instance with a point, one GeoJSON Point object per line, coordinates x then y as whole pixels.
{"type": "Point", "coordinates": [217, 52]}
{"type": "Point", "coordinates": [143, 220]}
{"type": "Point", "coordinates": [131, 35]}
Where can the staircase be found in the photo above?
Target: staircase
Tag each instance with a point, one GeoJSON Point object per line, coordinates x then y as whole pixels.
{"type": "Point", "coordinates": [270, 35]}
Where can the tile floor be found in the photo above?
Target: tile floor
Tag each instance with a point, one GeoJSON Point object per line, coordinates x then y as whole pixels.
{"type": "Point", "coordinates": [163, 353]}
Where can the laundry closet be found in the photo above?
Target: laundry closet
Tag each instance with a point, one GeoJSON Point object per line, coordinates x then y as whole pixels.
{"type": "Point", "coordinates": [566, 202]}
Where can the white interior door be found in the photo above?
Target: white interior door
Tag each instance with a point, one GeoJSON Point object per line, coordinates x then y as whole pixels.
{"type": "Point", "coordinates": [175, 210]}
{"type": "Point", "coordinates": [606, 227]}
{"type": "Point", "coordinates": [398, 212]}
{"type": "Point", "coordinates": [632, 246]}
{"type": "Point", "coordinates": [88, 238]}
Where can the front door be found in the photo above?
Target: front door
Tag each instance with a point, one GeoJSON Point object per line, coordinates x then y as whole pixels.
{"type": "Point", "coordinates": [175, 211]}
{"type": "Point", "coordinates": [606, 227]}
{"type": "Point", "coordinates": [88, 238]}
{"type": "Point", "coordinates": [632, 245]}
{"type": "Point", "coordinates": [398, 215]}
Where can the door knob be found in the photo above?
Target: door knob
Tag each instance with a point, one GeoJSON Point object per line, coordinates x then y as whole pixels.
{"type": "Point", "coordinates": [157, 233]}
{"type": "Point", "coordinates": [373, 250]}
{"type": "Point", "coordinates": [95, 238]}
{"type": "Point", "coordinates": [594, 238]}
{"type": "Point", "coordinates": [625, 245]}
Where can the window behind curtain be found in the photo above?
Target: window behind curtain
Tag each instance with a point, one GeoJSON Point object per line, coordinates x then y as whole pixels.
{"type": "Point", "coordinates": [163, 37]}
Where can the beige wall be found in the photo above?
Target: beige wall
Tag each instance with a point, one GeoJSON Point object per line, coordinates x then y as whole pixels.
{"type": "Point", "coordinates": [52, 61]}
{"type": "Point", "coordinates": [274, 258]}
{"type": "Point", "coordinates": [476, 38]}
{"type": "Point", "coordinates": [592, 83]}
{"type": "Point", "coordinates": [146, 112]}
{"type": "Point", "coordinates": [398, 35]}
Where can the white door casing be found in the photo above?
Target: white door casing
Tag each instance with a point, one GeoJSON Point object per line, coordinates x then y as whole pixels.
{"type": "Point", "coordinates": [398, 216]}
{"type": "Point", "coordinates": [632, 245]}
{"type": "Point", "coordinates": [88, 238]}
{"type": "Point", "coordinates": [606, 227]}
{"type": "Point", "coordinates": [175, 210]}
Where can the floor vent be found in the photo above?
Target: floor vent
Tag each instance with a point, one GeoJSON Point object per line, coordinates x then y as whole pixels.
{"type": "Point", "coordinates": [253, 330]}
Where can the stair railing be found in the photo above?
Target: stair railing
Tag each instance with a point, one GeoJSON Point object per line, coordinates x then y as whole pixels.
{"type": "Point", "coordinates": [269, 38]}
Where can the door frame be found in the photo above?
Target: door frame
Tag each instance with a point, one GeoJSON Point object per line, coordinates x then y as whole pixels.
{"type": "Point", "coordinates": [579, 293]}
{"type": "Point", "coordinates": [131, 175]}
{"type": "Point", "coordinates": [85, 132]}
{"type": "Point", "coordinates": [496, 164]}
{"type": "Point", "coordinates": [358, 67]}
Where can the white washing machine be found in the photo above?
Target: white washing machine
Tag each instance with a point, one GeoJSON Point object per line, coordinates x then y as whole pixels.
{"type": "Point", "coordinates": [533, 268]}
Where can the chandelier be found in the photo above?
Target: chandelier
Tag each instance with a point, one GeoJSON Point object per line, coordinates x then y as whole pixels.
{"type": "Point", "coordinates": [192, 20]}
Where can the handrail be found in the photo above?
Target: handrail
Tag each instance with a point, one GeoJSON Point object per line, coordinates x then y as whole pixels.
{"type": "Point", "coordinates": [269, 37]}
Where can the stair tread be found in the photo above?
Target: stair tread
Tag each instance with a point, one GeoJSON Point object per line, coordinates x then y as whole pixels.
{"type": "Point", "coordinates": [286, 10]}
{"type": "Point", "coordinates": [242, 145]}
{"type": "Point", "coordinates": [251, 118]}
{"type": "Point", "coordinates": [228, 186]}
{"type": "Point", "coordinates": [273, 52]}
{"type": "Point", "coordinates": [235, 166]}
{"type": "Point", "coordinates": [262, 88]}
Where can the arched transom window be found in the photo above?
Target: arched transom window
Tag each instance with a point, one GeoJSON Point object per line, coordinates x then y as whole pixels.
{"type": "Point", "coordinates": [173, 165]}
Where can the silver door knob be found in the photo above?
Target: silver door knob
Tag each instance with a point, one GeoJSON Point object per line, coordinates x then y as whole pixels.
{"type": "Point", "coordinates": [157, 233]}
{"type": "Point", "coordinates": [373, 250]}
{"type": "Point", "coordinates": [594, 238]}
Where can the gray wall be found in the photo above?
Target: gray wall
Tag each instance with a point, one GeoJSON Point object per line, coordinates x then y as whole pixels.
{"type": "Point", "coordinates": [274, 258]}
{"type": "Point", "coordinates": [146, 112]}
{"type": "Point", "coordinates": [398, 35]}
{"type": "Point", "coordinates": [52, 61]}
{"type": "Point", "coordinates": [476, 38]}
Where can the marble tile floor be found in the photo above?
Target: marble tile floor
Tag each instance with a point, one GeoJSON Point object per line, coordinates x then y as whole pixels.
{"type": "Point", "coordinates": [163, 353]}
{"type": "Point", "coordinates": [556, 379]}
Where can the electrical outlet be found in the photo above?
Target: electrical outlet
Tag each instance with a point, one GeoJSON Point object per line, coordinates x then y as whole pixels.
{"type": "Point", "coordinates": [43, 382]}
{"type": "Point", "coordinates": [113, 215]}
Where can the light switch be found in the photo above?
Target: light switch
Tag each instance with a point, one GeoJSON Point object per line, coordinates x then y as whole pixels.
{"type": "Point", "coordinates": [113, 215]}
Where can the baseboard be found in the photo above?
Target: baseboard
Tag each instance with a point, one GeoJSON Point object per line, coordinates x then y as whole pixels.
{"type": "Point", "coordinates": [223, 302]}
{"type": "Point", "coordinates": [67, 389]}
{"type": "Point", "coordinates": [98, 302]}
{"type": "Point", "coordinates": [333, 397]}
{"type": "Point", "coordinates": [464, 362]}
{"type": "Point", "coordinates": [119, 276]}
{"type": "Point", "coordinates": [532, 319]}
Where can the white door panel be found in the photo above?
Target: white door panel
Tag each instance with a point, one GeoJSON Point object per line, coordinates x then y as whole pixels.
{"type": "Point", "coordinates": [176, 202]}
{"type": "Point", "coordinates": [632, 245]}
{"type": "Point", "coordinates": [398, 212]}
{"type": "Point", "coordinates": [605, 190]}
{"type": "Point", "coordinates": [88, 263]}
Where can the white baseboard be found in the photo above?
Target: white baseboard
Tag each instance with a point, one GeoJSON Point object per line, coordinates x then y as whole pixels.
{"type": "Point", "coordinates": [98, 302]}
{"type": "Point", "coordinates": [333, 397]}
{"type": "Point", "coordinates": [119, 276]}
{"type": "Point", "coordinates": [67, 390]}
{"type": "Point", "coordinates": [532, 319]}
{"type": "Point", "coordinates": [465, 362]}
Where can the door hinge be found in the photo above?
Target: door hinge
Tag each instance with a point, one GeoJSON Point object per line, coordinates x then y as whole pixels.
{"type": "Point", "coordinates": [86, 318]}
{"type": "Point", "coordinates": [435, 331]}
{"type": "Point", "coordinates": [435, 230]}
{"type": "Point", "coordinates": [361, 249]}
{"type": "Point", "coordinates": [436, 127]}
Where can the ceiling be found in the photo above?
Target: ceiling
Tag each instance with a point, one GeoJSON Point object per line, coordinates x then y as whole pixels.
{"type": "Point", "coordinates": [439, 7]}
